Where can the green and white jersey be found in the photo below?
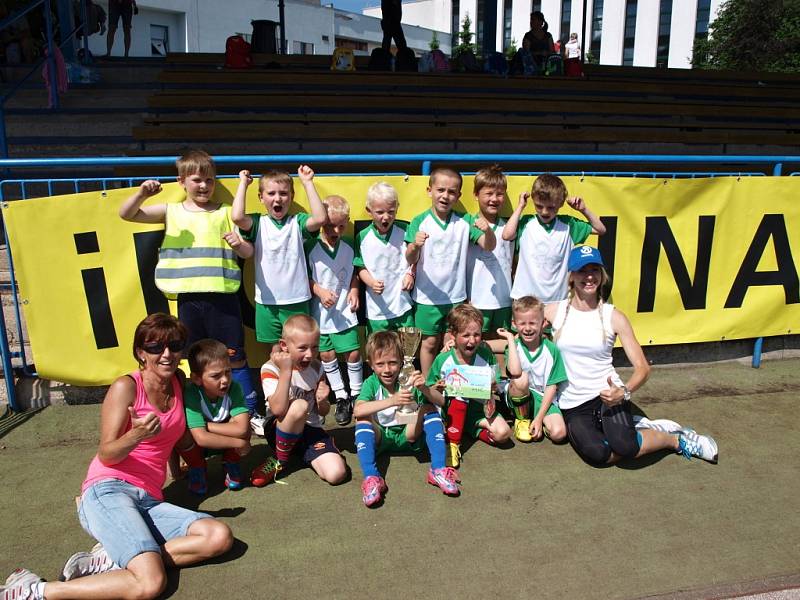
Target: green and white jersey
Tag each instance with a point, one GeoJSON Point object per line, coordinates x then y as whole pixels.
{"type": "Point", "coordinates": [201, 410]}
{"type": "Point", "coordinates": [543, 253]}
{"type": "Point", "coordinates": [445, 361]}
{"type": "Point", "coordinates": [280, 270]}
{"type": "Point", "coordinates": [442, 267]}
{"type": "Point", "coordinates": [543, 366]}
{"type": "Point", "coordinates": [384, 256]}
{"type": "Point", "coordinates": [489, 273]}
{"type": "Point", "coordinates": [332, 268]}
{"type": "Point", "coordinates": [373, 390]}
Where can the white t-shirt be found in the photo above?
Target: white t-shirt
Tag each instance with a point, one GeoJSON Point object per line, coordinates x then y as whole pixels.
{"type": "Point", "coordinates": [333, 270]}
{"type": "Point", "coordinates": [489, 273]}
{"type": "Point", "coordinates": [280, 271]}
{"type": "Point", "coordinates": [544, 367]}
{"type": "Point", "coordinates": [585, 344]}
{"type": "Point", "coordinates": [384, 256]}
{"type": "Point", "coordinates": [303, 388]}
{"type": "Point", "coordinates": [573, 49]}
{"type": "Point", "coordinates": [543, 254]}
{"type": "Point", "coordinates": [442, 267]}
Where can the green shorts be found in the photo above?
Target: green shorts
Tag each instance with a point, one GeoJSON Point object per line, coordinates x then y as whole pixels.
{"type": "Point", "coordinates": [271, 317]}
{"type": "Point", "coordinates": [341, 342]}
{"type": "Point", "coordinates": [432, 318]}
{"type": "Point", "coordinates": [393, 324]}
{"type": "Point", "coordinates": [534, 402]}
{"type": "Point", "coordinates": [493, 319]}
{"type": "Point", "coordinates": [393, 440]}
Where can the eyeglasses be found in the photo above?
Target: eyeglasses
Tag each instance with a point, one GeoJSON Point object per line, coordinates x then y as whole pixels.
{"type": "Point", "coordinates": [158, 347]}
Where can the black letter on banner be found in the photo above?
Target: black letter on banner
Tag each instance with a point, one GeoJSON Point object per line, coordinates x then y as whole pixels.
{"type": "Point", "coordinates": [94, 286]}
{"type": "Point", "coordinates": [657, 234]}
{"type": "Point", "coordinates": [771, 226]}
{"type": "Point", "coordinates": [147, 244]}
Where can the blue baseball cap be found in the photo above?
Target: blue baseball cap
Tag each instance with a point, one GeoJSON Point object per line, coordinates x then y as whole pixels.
{"type": "Point", "coordinates": [582, 256]}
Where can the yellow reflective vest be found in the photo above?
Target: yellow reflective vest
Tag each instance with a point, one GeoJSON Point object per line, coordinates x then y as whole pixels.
{"type": "Point", "coordinates": [193, 256]}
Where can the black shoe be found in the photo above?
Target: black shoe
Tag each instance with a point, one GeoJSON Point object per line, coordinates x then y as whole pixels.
{"type": "Point", "coordinates": [344, 411]}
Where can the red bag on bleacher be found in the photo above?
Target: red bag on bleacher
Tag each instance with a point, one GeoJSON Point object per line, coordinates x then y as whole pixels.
{"type": "Point", "coordinates": [237, 53]}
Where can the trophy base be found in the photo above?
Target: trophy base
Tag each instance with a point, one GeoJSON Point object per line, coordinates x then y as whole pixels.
{"type": "Point", "coordinates": [406, 418]}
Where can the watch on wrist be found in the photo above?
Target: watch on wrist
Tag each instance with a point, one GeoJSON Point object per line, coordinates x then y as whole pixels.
{"type": "Point", "coordinates": [626, 393]}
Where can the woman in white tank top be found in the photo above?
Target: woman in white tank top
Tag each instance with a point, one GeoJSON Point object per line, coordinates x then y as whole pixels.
{"type": "Point", "coordinates": [594, 401]}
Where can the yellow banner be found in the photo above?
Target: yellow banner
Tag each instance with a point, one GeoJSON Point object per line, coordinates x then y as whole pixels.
{"type": "Point", "coordinates": [692, 261]}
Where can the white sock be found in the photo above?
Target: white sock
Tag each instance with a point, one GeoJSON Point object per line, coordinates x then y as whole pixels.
{"type": "Point", "coordinates": [38, 590]}
{"type": "Point", "coordinates": [334, 378]}
{"type": "Point", "coordinates": [354, 374]}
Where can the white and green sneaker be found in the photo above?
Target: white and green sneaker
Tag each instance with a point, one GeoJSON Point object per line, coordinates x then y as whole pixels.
{"type": "Point", "coordinates": [82, 564]}
{"type": "Point", "coordinates": [692, 443]}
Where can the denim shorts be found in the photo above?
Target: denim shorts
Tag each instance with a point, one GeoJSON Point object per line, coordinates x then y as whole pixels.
{"type": "Point", "coordinates": [128, 521]}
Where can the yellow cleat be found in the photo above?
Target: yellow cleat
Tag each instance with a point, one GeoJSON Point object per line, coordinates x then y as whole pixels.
{"type": "Point", "coordinates": [522, 430]}
{"type": "Point", "coordinates": [453, 455]}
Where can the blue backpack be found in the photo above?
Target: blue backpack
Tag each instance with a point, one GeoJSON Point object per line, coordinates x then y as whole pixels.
{"type": "Point", "coordinates": [523, 63]}
{"type": "Point", "coordinates": [496, 64]}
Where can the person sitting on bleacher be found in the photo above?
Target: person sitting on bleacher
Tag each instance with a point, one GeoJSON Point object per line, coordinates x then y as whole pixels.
{"type": "Point", "coordinates": [538, 39]}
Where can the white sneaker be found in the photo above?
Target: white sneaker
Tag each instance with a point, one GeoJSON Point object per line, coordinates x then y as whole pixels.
{"type": "Point", "coordinates": [257, 423]}
{"type": "Point", "coordinates": [22, 585]}
{"type": "Point", "coordinates": [663, 425]}
{"type": "Point", "coordinates": [701, 446]}
{"type": "Point", "coordinates": [82, 564]}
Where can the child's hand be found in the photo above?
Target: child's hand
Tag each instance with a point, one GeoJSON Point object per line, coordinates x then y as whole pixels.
{"type": "Point", "coordinates": [402, 397]}
{"type": "Point", "coordinates": [448, 342]}
{"type": "Point", "coordinates": [245, 177]}
{"type": "Point", "coordinates": [282, 360]}
{"type": "Point", "coordinates": [417, 380]}
{"type": "Point", "coordinates": [377, 286]}
{"type": "Point", "coordinates": [352, 299]}
{"type": "Point", "coordinates": [233, 239]}
{"type": "Point", "coordinates": [326, 297]}
{"type": "Point", "coordinates": [420, 238]}
{"type": "Point", "coordinates": [505, 333]}
{"type": "Point", "coordinates": [151, 187]}
{"type": "Point", "coordinates": [536, 430]}
{"type": "Point", "coordinates": [305, 173]}
{"type": "Point", "coordinates": [523, 201]}
{"type": "Point", "coordinates": [440, 386]}
{"type": "Point", "coordinates": [147, 426]}
{"type": "Point", "coordinates": [323, 405]}
{"type": "Point", "coordinates": [323, 391]}
{"type": "Point", "coordinates": [482, 224]}
{"type": "Point", "coordinates": [408, 282]}
{"type": "Point", "coordinates": [577, 203]}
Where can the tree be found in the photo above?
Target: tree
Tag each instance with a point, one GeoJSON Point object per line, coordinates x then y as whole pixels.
{"type": "Point", "coordinates": [434, 43]}
{"type": "Point", "coordinates": [752, 35]}
{"type": "Point", "coordinates": [511, 50]}
{"type": "Point", "coordinates": [464, 38]}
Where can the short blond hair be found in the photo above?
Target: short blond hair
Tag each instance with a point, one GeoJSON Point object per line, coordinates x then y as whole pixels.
{"type": "Point", "coordinates": [549, 187]}
{"type": "Point", "coordinates": [336, 206]}
{"type": "Point", "coordinates": [297, 323]}
{"type": "Point", "coordinates": [447, 172]}
{"type": "Point", "coordinates": [461, 316]}
{"type": "Point", "coordinates": [277, 177]}
{"type": "Point", "coordinates": [195, 162]}
{"type": "Point", "coordinates": [492, 176]}
{"type": "Point", "coordinates": [380, 190]}
{"type": "Point", "coordinates": [526, 303]}
{"type": "Point", "coordinates": [384, 341]}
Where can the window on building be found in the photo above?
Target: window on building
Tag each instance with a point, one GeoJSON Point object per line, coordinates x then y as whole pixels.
{"type": "Point", "coordinates": [159, 40]}
{"type": "Point", "coordinates": [480, 13]}
{"type": "Point", "coordinates": [507, 13]}
{"type": "Point", "coordinates": [455, 24]}
{"type": "Point", "coordinates": [630, 32]}
{"type": "Point", "coordinates": [536, 5]}
{"type": "Point", "coordinates": [302, 48]}
{"type": "Point", "coordinates": [566, 12]}
{"type": "Point", "coordinates": [597, 29]}
{"type": "Point", "coordinates": [664, 23]}
{"type": "Point", "coordinates": [703, 16]}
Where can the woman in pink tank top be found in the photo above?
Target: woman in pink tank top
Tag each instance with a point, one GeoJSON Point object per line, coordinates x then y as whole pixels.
{"type": "Point", "coordinates": [122, 504]}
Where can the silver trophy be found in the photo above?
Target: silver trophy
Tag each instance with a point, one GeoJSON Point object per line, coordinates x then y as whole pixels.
{"type": "Point", "coordinates": [410, 338]}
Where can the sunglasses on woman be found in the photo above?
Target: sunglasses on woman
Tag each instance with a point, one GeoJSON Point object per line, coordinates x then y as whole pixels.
{"type": "Point", "coordinates": [158, 347]}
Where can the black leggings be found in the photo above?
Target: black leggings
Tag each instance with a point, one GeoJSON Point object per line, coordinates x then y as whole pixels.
{"type": "Point", "coordinates": [596, 430]}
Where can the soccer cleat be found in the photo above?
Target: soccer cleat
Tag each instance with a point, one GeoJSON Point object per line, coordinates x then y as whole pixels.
{"type": "Point", "coordinates": [373, 488]}
{"type": "Point", "coordinates": [257, 423]}
{"type": "Point", "coordinates": [82, 564]}
{"type": "Point", "coordinates": [453, 455]}
{"type": "Point", "coordinates": [522, 430]}
{"type": "Point", "coordinates": [663, 425]}
{"type": "Point", "coordinates": [692, 443]}
{"type": "Point", "coordinates": [443, 480]}
{"type": "Point", "coordinates": [266, 473]}
{"type": "Point", "coordinates": [452, 474]}
{"type": "Point", "coordinates": [233, 476]}
{"type": "Point", "coordinates": [22, 585]}
{"type": "Point", "coordinates": [344, 411]}
{"type": "Point", "coordinates": [197, 481]}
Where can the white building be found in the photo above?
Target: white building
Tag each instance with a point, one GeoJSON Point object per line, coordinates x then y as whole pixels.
{"type": "Point", "coordinates": [644, 33]}
{"type": "Point", "coordinates": [203, 26]}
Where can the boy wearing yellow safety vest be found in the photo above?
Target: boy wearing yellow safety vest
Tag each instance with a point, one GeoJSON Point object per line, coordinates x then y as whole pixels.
{"type": "Point", "coordinates": [197, 262]}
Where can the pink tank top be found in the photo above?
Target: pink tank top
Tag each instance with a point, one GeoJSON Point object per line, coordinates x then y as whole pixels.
{"type": "Point", "coordinates": [146, 465]}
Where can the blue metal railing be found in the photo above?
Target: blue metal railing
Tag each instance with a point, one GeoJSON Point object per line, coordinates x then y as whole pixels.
{"type": "Point", "coordinates": [738, 166]}
{"type": "Point", "coordinates": [50, 59]}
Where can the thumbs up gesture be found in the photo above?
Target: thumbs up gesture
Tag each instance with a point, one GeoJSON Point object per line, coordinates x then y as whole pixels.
{"type": "Point", "coordinates": [613, 395]}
